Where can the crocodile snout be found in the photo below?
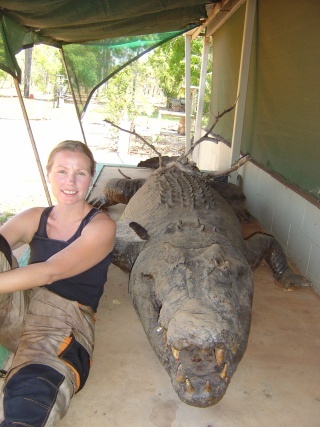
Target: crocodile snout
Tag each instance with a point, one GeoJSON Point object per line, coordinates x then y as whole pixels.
{"type": "Point", "coordinates": [200, 377]}
{"type": "Point", "coordinates": [205, 351]}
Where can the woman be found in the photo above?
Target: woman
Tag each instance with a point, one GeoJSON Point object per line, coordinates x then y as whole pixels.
{"type": "Point", "coordinates": [47, 308]}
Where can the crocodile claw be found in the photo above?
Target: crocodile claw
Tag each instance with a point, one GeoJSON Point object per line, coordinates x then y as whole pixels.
{"type": "Point", "coordinates": [289, 278]}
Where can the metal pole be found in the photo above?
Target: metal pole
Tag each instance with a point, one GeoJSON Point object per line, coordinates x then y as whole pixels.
{"type": "Point", "coordinates": [187, 91]}
{"type": "Point", "coordinates": [73, 96]}
{"type": "Point", "coordinates": [26, 119]}
{"type": "Point", "coordinates": [202, 87]}
{"type": "Point", "coordinates": [242, 84]}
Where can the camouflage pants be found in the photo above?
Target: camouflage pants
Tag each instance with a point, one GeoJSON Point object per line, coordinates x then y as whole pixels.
{"type": "Point", "coordinates": [52, 341]}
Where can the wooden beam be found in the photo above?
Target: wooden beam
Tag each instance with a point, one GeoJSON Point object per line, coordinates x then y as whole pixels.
{"type": "Point", "coordinates": [218, 14]}
{"type": "Point", "coordinates": [224, 14]}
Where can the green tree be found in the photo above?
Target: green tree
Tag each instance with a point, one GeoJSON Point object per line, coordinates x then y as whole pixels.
{"type": "Point", "coordinates": [168, 63]}
{"type": "Point", "coordinates": [126, 93]}
{"type": "Point", "coordinates": [46, 65]}
{"type": "Point", "coordinates": [84, 59]}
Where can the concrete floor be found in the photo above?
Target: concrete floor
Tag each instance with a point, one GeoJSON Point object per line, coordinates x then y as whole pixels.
{"type": "Point", "coordinates": [277, 383]}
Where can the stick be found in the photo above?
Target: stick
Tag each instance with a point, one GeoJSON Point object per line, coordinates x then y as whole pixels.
{"type": "Point", "coordinates": [183, 156]}
{"type": "Point", "coordinates": [234, 167]}
{"type": "Point", "coordinates": [206, 135]}
{"type": "Point", "coordinates": [138, 136]}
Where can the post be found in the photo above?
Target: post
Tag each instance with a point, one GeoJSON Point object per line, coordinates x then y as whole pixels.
{"type": "Point", "coordinates": [73, 97]}
{"type": "Point", "coordinates": [242, 84]}
{"type": "Point", "coordinates": [26, 119]}
{"type": "Point", "coordinates": [202, 87]}
{"type": "Point", "coordinates": [187, 90]}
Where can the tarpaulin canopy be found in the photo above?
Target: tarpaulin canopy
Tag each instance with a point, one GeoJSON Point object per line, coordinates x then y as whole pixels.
{"type": "Point", "coordinates": [78, 21]}
{"type": "Point", "coordinates": [115, 31]}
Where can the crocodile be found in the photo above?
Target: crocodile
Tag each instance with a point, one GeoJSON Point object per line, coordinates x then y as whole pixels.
{"type": "Point", "coordinates": [191, 278]}
{"type": "Point", "coordinates": [121, 190]}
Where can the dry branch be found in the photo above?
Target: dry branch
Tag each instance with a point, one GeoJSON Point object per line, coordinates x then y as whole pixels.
{"type": "Point", "coordinates": [184, 157]}
{"type": "Point", "coordinates": [232, 168]}
{"type": "Point", "coordinates": [138, 136]}
{"type": "Point", "coordinates": [206, 136]}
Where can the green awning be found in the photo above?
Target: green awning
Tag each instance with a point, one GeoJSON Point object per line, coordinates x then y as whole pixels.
{"type": "Point", "coordinates": [115, 33]}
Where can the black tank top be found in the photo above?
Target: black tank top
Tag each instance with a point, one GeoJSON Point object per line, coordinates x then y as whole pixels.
{"type": "Point", "coordinates": [85, 288]}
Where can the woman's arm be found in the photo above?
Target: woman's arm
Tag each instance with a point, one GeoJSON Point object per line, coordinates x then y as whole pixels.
{"type": "Point", "coordinates": [95, 243]}
{"type": "Point", "coordinates": [21, 228]}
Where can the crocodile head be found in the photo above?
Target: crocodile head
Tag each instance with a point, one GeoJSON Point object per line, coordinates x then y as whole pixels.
{"type": "Point", "coordinates": [194, 302]}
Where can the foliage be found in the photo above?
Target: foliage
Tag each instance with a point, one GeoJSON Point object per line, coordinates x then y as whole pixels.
{"type": "Point", "coordinates": [131, 91]}
{"type": "Point", "coordinates": [125, 94]}
{"type": "Point", "coordinates": [168, 63]}
{"type": "Point", "coordinates": [46, 65]}
{"type": "Point", "coordinates": [5, 216]}
{"type": "Point", "coordinates": [85, 60]}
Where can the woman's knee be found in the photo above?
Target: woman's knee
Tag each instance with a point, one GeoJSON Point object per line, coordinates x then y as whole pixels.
{"type": "Point", "coordinates": [33, 396]}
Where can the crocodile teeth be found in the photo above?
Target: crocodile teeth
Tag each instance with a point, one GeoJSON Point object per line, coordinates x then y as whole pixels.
{"type": "Point", "coordinates": [189, 386]}
{"type": "Point", "coordinates": [207, 387]}
{"type": "Point", "coordinates": [224, 372]}
{"type": "Point", "coordinates": [175, 352]}
{"type": "Point", "coordinates": [180, 376]}
{"type": "Point", "coordinates": [235, 348]}
{"type": "Point", "coordinates": [219, 354]}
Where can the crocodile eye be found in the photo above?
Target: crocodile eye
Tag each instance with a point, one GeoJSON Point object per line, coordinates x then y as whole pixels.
{"type": "Point", "coordinates": [171, 259]}
{"type": "Point", "coordinates": [146, 277]}
{"type": "Point", "coordinates": [172, 255]}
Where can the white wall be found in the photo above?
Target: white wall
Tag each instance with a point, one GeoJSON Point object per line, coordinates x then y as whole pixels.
{"type": "Point", "coordinates": [294, 221]}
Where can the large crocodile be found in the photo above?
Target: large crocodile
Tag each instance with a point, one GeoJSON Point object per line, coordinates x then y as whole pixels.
{"type": "Point", "coordinates": [191, 278]}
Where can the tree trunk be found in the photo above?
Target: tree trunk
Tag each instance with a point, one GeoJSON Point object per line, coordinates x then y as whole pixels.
{"type": "Point", "coordinates": [27, 72]}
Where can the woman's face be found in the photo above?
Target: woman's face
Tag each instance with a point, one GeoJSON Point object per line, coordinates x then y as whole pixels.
{"type": "Point", "coordinates": [70, 176]}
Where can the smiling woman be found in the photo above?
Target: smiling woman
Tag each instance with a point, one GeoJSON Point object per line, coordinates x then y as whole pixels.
{"type": "Point", "coordinates": [70, 174]}
{"type": "Point", "coordinates": [56, 295]}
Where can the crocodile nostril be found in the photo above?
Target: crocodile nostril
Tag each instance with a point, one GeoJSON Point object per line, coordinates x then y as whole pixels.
{"type": "Point", "coordinates": [196, 358]}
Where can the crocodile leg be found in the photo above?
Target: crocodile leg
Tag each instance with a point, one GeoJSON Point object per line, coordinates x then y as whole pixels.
{"type": "Point", "coordinates": [128, 245]}
{"type": "Point", "coordinates": [263, 246]}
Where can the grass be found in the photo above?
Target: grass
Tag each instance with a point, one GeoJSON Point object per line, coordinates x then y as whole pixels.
{"type": "Point", "coordinates": [5, 216]}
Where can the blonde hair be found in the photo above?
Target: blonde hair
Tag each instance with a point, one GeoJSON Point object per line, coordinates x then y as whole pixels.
{"type": "Point", "coordinates": [71, 145]}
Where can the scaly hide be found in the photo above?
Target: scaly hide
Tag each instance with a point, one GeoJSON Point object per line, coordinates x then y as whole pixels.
{"type": "Point", "coordinates": [191, 278]}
